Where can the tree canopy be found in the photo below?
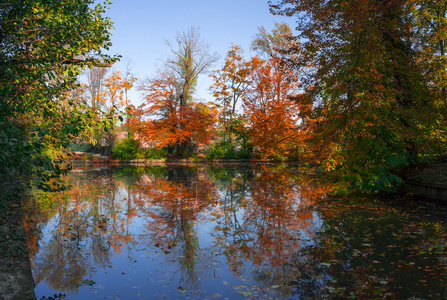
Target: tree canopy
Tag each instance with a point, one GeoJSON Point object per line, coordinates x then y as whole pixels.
{"type": "Point", "coordinates": [368, 69]}
{"type": "Point", "coordinates": [360, 89]}
{"type": "Point", "coordinates": [43, 47]}
{"type": "Point", "coordinates": [170, 116]}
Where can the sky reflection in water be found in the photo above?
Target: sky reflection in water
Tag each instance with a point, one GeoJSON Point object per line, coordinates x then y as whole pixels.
{"type": "Point", "coordinates": [236, 233]}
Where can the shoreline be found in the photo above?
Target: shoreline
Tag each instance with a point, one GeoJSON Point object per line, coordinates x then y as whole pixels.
{"type": "Point", "coordinates": [427, 190]}
{"type": "Point", "coordinates": [80, 158]}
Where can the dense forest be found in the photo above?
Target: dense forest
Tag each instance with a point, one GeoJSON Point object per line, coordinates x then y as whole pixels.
{"type": "Point", "coordinates": [359, 90]}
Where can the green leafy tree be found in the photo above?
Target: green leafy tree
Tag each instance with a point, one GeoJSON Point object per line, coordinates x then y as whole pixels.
{"type": "Point", "coordinates": [374, 106]}
{"type": "Point", "coordinates": [43, 47]}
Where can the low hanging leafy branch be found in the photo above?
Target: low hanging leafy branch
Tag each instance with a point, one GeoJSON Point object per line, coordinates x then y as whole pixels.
{"type": "Point", "coordinates": [43, 47]}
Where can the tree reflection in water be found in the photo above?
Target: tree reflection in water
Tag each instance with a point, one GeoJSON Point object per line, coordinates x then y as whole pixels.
{"type": "Point", "coordinates": [263, 216]}
{"type": "Point", "coordinates": [231, 232]}
{"type": "Point", "coordinates": [276, 218]}
{"type": "Point", "coordinates": [198, 220]}
{"type": "Point", "coordinates": [174, 203]}
{"type": "Point", "coordinates": [83, 225]}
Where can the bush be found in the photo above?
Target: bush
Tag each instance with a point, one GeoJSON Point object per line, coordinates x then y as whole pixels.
{"type": "Point", "coordinates": [225, 150]}
{"type": "Point", "coordinates": [130, 149]}
{"type": "Point", "coordinates": [127, 149]}
{"type": "Point", "coordinates": [155, 153]}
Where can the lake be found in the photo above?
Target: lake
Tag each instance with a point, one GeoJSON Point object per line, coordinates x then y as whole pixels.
{"type": "Point", "coordinates": [214, 232]}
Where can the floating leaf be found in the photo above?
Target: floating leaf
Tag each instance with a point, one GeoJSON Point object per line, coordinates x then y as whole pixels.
{"type": "Point", "coordinates": [88, 282]}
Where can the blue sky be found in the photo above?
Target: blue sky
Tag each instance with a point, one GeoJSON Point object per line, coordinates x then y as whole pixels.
{"type": "Point", "coordinates": [141, 27]}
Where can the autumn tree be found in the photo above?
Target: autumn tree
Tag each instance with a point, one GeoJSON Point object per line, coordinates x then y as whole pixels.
{"type": "Point", "coordinates": [276, 43]}
{"type": "Point", "coordinates": [372, 95]}
{"type": "Point", "coordinates": [273, 121]}
{"type": "Point", "coordinates": [95, 78]}
{"type": "Point", "coordinates": [129, 79]}
{"type": "Point", "coordinates": [230, 83]}
{"type": "Point", "coordinates": [163, 121]}
{"type": "Point", "coordinates": [173, 118]}
{"type": "Point", "coordinates": [268, 89]}
{"type": "Point", "coordinates": [114, 97]}
{"type": "Point", "coordinates": [191, 57]}
{"type": "Point", "coordinates": [105, 89]}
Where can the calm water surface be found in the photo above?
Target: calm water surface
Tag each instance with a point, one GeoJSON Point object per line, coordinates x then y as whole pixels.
{"type": "Point", "coordinates": [230, 233]}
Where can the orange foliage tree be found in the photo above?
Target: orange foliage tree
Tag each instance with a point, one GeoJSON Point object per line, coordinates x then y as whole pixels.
{"type": "Point", "coordinates": [269, 90]}
{"type": "Point", "coordinates": [230, 84]}
{"type": "Point", "coordinates": [273, 122]}
{"type": "Point", "coordinates": [113, 97]}
{"type": "Point", "coordinates": [109, 95]}
{"type": "Point", "coordinates": [175, 120]}
{"type": "Point", "coordinates": [163, 121]}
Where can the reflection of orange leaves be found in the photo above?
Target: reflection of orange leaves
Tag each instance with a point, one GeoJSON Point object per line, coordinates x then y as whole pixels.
{"type": "Point", "coordinates": [119, 240]}
{"type": "Point", "coordinates": [174, 205]}
{"type": "Point", "coordinates": [279, 208]}
{"type": "Point", "coordinates": [131, 214]}
{"type": "Point", "coordinates": [216, 214]}
{"type": "Point", "coordinates": [127, 238]}
{"type": "Point", "coordinates": [32, 235]}
{"type": "Point", "coordinates": [186, 201]}
{"type": "Point", "coordinates": [117, 247]}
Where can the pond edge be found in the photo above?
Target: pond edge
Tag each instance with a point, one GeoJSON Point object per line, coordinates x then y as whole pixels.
{"type": "Point", "coordinates": [427, 190]}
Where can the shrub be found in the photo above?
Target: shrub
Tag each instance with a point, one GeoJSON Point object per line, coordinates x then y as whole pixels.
{"type": "Point", "coordinates": [155, 153]}
{"type": "Point", "coordinates": [130, 149]}
{"type": "Point", "coordinates": [127, 149]}
{"type": "Point", "coordinates": [225, 150]}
